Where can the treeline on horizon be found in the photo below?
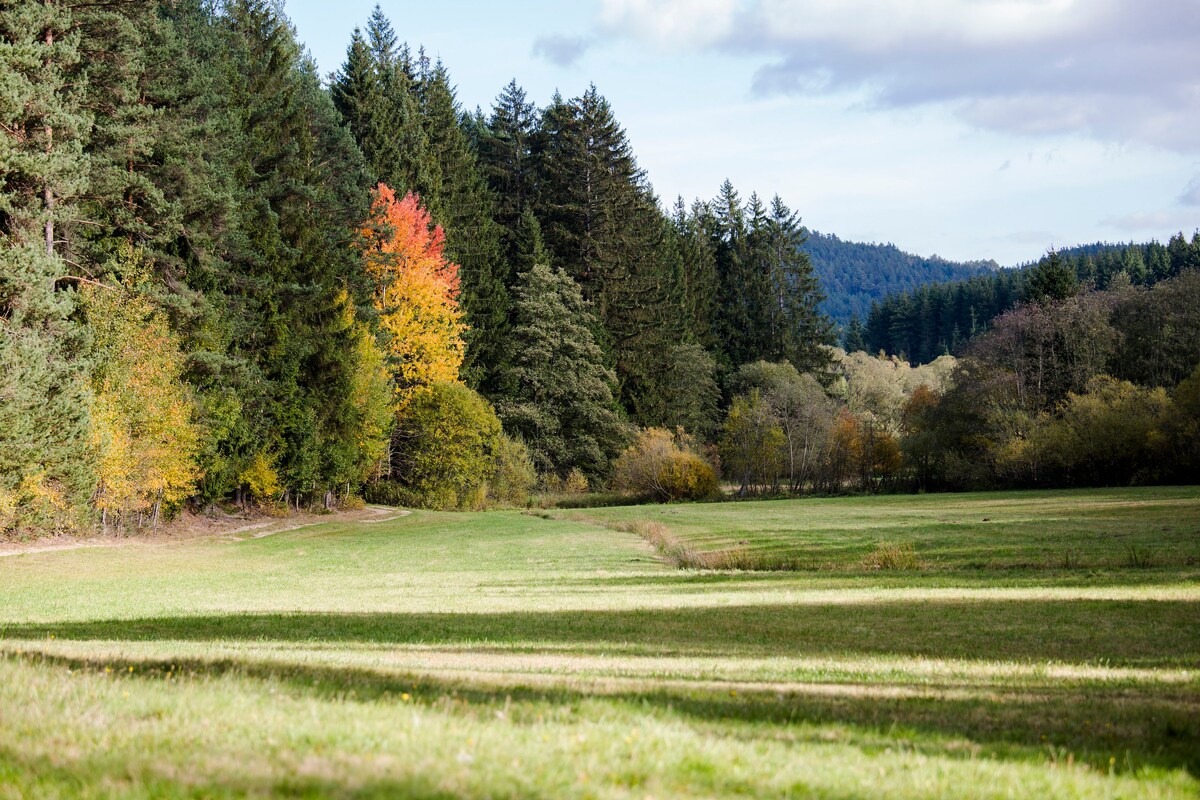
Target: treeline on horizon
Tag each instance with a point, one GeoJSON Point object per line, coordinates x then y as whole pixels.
{"type": "Point", "coordinates": [942, 317]}
{"type": "Point", "coordinates": [222, 280]}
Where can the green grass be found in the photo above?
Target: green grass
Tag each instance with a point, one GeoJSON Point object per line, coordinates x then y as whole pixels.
{"type": "Point", "coordinates": [1023, 531]}
{"type": "Point", "coordinates": [508, 655]}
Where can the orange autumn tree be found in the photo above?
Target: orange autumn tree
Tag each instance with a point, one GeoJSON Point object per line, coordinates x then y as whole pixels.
{"type": "Point", "coordinates": [416, 292]}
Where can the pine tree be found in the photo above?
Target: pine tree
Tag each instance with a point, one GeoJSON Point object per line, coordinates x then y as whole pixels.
{"type": "Point", "coordinates": [853, 339]}
{"type": "Point", "coordinates": [602, 224]}
{"type": "Point", "coordinates": [354, 85]}
{"type": "Point", "coordinates": [472, 236]}
{"type": "Point", "coordinates": [1052, 280]}
{"type": "Point", "coordinates": [799, 330]}
{"type": "Point", "coordinates": [506, 162]}
{"type": "Point", "coordinates": [377, 95]}
{"type": "Point", "coordinates": [739, 283]}
{"type": "Point", "coordinates": [698, 281]}
{"type": "Point", "coordinates": [45, 456]}
{"type": "Point", "coordinates": [304, 194]}
{"type": "Point", "coordinates": [559, 397]}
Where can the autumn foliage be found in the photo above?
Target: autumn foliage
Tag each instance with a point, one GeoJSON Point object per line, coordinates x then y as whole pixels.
{"type": "Point", "coordinates": [143, 430]}
{"type": "Point", "coordinates": [416, 292]}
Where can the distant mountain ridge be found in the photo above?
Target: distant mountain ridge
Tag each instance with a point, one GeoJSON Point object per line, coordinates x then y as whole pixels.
{"type": "Point", "coordinates": [853, 275]}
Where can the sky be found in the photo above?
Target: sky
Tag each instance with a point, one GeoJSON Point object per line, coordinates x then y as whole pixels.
{"type": "Point", "coordinates": [969, 129]}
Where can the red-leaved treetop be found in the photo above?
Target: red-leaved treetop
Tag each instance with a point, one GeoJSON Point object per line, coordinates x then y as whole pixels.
{"type": "Point", "coordinates": [416, 292]}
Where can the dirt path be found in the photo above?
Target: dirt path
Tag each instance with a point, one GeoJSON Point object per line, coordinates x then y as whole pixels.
{"type": "Point", "coordinates": [260, 530]}
{"type": "Point", "coordinates": [192, 527]}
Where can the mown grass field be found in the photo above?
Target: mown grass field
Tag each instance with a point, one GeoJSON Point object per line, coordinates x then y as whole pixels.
{"type": "Point", "coordinates": [1052, 650]}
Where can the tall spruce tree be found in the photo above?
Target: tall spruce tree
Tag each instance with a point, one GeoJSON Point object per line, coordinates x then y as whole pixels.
{"type": "Point", "coordinates": [506, 160]}
{"type": "Point", "coordinates": [45, 458]}
{"type": "Point", "coordinates": [799, 332]}
{"type": "Point", "coordinates": [602, 224]}
{"type": "Point", "coordinates": [464, 207]}
{"type": "Point", "coordinates": [559, 396]}
{"type": "Point", "coordinates": [698, 280]}
{"type": "Point", "coordinates": [1052, 280]}
{"type": "Point", "coordinates": [305, 193]}
{"type": "Point", "coordinates": [376, 93]}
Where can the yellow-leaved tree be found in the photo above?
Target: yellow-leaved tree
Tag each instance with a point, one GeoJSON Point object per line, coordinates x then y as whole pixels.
{"type": "Point", "coordinates": [143, 428]}
{"type": "Point", "coordinates": [416, 293]}
{"type": "Point", "coordinates": [371, 395]}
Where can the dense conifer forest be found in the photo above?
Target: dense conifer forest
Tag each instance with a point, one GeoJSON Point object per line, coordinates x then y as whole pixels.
{"type": "Point", "coordinates": [925, 322]}
{"type": "Point", "coordinates": [225, 280]}
{"type": "Point", "coordinates": [854, 275]}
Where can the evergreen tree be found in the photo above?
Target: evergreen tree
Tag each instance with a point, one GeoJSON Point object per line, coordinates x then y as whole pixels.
{"type": "Point", "coordinates": [698, 281]}
{"type": "Point", "coordinates": [799, 330]}
{"type": "Point", "coordinates": [376, 93]}
{"type": "Point", "coordinates": [1052, 280]}
{"type": "Point", "coordinates": [472, 236]}
{"type": "Point", "coordinates": [854, 338]}
{"type": "Point", "coordinates": [530, 248]}
{"type": "Point", "coordinates": [559, 396]}
{"type": "Point", "coordinates": [45, 457]}
{"type": "Point", "coordinates": [505, 156]}
{"type": "Point", "coordinates": [602, 224]}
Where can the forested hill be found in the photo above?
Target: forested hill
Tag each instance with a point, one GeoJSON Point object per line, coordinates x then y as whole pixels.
{"type": "Point", "coordinates": [925, 322]}
{"type": "Point", "coordinates": [854, 275]}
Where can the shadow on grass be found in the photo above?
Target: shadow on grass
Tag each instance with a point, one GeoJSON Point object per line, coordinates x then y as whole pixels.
{"type": "Point", "coordinates": [34, 776]}
{"type": "Point", "coordinates": [1124, 729]}
{"type": "Point", "coordinates": [1145, 633]}
{"type": "Point", "coordinates": [1006, 578]}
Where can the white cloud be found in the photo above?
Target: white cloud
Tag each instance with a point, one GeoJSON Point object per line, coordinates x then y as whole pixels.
{"type": "Point", "coordinates": [1117, 70]}
{"type": "Point", "coordinates": [1191, 193]}
{"type": "Point", "coordinates": [561, 50]}
{"type": "Point", "coordinates": [1154, 221]}
{"type": "Point", "coordinates": [673, 23]}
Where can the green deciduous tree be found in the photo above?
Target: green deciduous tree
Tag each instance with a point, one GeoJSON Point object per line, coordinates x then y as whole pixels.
{"type": "Point", "coordinates": [450, 437]}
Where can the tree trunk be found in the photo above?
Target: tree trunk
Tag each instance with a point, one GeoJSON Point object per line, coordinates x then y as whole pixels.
{"type": "Point", "coordinates": [47, 191]}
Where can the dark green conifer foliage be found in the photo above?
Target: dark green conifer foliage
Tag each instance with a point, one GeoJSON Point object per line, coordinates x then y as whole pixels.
{"type": "Point", "coordinates": [305, 193]}
{"type": "Point", "coordinates": [464, 207]}
{"type": "Point", "coordinates": [737, 281]}
{"type": "Point", "coordinates": [559, 396]}
{"type": "Point", "coordinates": [1052, 280]}
{"type": "Point", "coordinates": [44, 398]}
{"type": "Point", "coordinates": [698, 281]}
{"type": "Point", "coordinates": [602, 224]}
{"type": "Point", "coordinates": [530, 247]}
{"type": "Point", "coordinates": [353, 86]}
{"type": "Point", "coordinates": [799, 332]}
{"type": "Point", "coordinates": [853, 339]}
{"type": "Point", "coordinates": [377, 95]}
{"type": "Point", "coordinates": [505, 157]}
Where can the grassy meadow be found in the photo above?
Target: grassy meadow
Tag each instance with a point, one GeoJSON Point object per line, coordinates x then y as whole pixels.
{"type": "Point", "coordinates": [1032, 644]}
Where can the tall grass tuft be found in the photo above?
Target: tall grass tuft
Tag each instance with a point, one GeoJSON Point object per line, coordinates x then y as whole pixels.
{"type": "Point", "coordinates": [892, 556]}
{"type": "Point", "coordinates": [682, 555]}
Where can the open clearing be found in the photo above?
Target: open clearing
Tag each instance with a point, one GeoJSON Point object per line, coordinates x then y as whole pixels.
{"type": "Point", "coordinates": [1038, 644]}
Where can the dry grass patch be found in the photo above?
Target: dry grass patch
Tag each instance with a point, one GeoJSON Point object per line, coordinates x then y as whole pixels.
{"type": "Point", "coordinates": [680, 554]}
{"type": "Point", "coordinates": [892, 556]}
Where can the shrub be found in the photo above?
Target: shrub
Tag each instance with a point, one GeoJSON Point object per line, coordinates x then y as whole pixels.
{"type": "Point", "coordinates": [261, 479]}
{"type": "Point", "coordinates": [657, 464]}
{"type": "Point", "coordinates": [450, 436]}
{"type": "Point", "coordinates": [513, 476]}
{"type": "Point", "coordinates": [575, 482]}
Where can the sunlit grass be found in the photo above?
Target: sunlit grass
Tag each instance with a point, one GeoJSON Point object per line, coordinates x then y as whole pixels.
{"type": "Point", "coordinates": [505, 655]}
